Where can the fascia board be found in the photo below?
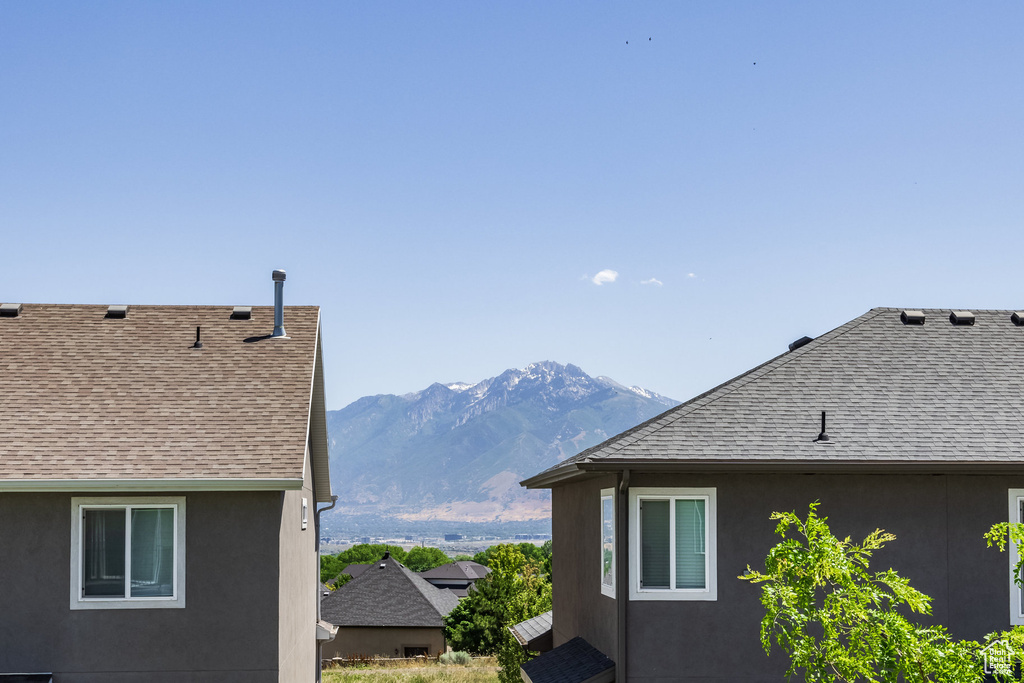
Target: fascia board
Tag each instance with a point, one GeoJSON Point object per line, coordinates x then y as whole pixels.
{"type": "Point", "coordinates": [316, 425]}
{"type": "Point", "coordinates": [123, 485]}
{"type": "Point", "coordinates": [548, 479]}
{"type": "Point", "coordinates": [828, 466]}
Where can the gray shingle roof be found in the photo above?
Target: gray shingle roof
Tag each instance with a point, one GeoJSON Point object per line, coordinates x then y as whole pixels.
{"type": "Point", "coordinates": [933, 394]}
{"type": "Point", "coordinates": [528, 630]}
{"type": "Point", "coordinates": [576, 661]}
{"type": "Point", "coordinates": [463, 569]}
{"type": "Point", "coordinates": [388, 594]}
{"type": "Point", "coordinates": [355, 569]}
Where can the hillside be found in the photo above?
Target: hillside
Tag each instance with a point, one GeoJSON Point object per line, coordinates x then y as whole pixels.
{"type": "Point", "coordinates": [458, 451]}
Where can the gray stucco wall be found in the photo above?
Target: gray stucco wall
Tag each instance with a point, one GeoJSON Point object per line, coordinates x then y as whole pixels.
{"type": "Point", "coordinates": [225, 632]}
{"type": "Point", "coordinates": [299, 586]}
{"type": "Point", "coordinates": [580, 609]}
{"type": "Point", "coordinates": [938, 520]}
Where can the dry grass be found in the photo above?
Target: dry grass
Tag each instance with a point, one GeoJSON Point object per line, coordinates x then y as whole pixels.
{"type": "Point", "coordinates": [482, 670]}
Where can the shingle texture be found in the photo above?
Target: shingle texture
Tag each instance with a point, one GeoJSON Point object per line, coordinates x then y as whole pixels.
{"type": "Point", "coordinates": [83, 396]}
{"type": "Point", "coordinates": [936, 393]}
{"type": "Point", "coordinates": [388, 594]}
{"type": "Point", "coordinates": [461, 570]}
{"type": "Point", "coordinates": [572, 662]}
{"type": "Point", "coordinates": [528, 630]}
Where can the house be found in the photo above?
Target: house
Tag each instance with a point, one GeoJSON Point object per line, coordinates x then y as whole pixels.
{"type": "Point", "coordinates": [908, 420]}
{"type": "Point", "coordinates": [458, 576]}
{"type": "Point", "coordinates": [389, 611]}
{"type": "Point", "coordinates": [160, 469]}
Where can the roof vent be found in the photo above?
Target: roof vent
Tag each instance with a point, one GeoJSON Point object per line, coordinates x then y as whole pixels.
{"type": "Point", "coordinates": [10, 310]}
{"type": "Point", "coordinates": [1018, 318]}
{"type": "Point", "coordinates": [116, 312]}
{"type": "Point", "coordinates": [909, 317]}
{"type": "Point", "coordinates": [823, 435]}
{"type": "Point", "coordinates": [961, 318]}
{"type": "Point", "coordinates": [198, 343]}
{"type": "Point", "coordinates": [278, 333]}
{"type": "Point", "coordinates": [802, 341]}
{"type": "Point", "coordinates": [241, 313]}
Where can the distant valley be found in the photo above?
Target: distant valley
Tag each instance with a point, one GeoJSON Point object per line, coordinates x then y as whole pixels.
{"type": "Point", "coordinates": [456, 452]}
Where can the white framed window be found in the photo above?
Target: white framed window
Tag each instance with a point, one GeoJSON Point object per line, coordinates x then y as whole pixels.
{"type": "Point", "coordinates": [1016, 505]}
{"type": "Point", "coordinates": [608, 542]}
{"type": "Point", "coordinates": [128, 552]}
{"type": "Point", "coordinates": [673, 544]}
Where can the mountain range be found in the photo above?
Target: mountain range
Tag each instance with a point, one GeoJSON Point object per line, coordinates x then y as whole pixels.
{"type": "Point", "coordinates": [457, 451]}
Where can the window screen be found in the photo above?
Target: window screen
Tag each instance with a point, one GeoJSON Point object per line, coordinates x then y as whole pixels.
{"type": "Point", "coordinates": [654, 544]}
{"type": "Point", "coordinates": [690, 544]}
{"type": "Point", "coordinates": [608, 542]}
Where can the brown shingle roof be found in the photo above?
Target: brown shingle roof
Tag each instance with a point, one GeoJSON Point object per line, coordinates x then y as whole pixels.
{"type": "Point", "coordinates": [85, 397]}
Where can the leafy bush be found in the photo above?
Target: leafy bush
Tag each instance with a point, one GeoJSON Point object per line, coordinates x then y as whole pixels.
{"type": "Point", "coordinates": [838, 621]}
{"type": "Point", "coordinates": [460, 658]}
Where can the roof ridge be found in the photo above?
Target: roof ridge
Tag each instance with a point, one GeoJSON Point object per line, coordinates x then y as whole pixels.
{"type": "Point", "coordinates": [423, 586]}
{"type": "Point", "coordinates": [688, 407]}
{"type": "Point", "coordinates": [785, 358]}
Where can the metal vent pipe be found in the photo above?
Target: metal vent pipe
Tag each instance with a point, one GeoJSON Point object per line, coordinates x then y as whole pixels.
{"type": "Point", "coordinates": [278, 276]}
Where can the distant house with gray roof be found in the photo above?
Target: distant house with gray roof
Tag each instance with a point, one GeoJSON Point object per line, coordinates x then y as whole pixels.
{"type": "Point", "coordinates": [458, 577]}
{"type": "Point", "coordinates": [908, 420]}
{"type": "Point", "coordinates": [388, 610]}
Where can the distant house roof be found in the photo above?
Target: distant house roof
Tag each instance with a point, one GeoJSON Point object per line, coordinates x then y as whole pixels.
{"type": "Point", "coordinates": [388, 594]}
{"type": "Point", "coordinates": [461, 570]}
{"type": "Point", "coordinates": [355, 569]}
{"type": "Point", "coordinates": [92, 401]}
{"type": "Point", "coordinates": [576, 661]}
{"type": "Point", "coordinates": [897, 395]}
{"type": "Point", "coordinates": [534, 634]}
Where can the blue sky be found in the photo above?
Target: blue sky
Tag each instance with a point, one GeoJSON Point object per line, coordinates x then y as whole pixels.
{"type": "Point", "coordinates": [447, 179]}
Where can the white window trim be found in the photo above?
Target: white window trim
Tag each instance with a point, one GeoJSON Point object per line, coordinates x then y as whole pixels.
{"type": "Point", "coordinates": [1016, 496]}
{"type": "Point", "coordinates": [175, 601]}
{"type": "Point", "coordinates": [607, 494]}
{"type": "Point", "coordinates": [710, 496]}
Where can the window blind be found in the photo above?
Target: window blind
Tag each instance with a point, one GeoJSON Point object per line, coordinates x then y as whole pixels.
{"type": "Point", "coordinates": [654, 542]}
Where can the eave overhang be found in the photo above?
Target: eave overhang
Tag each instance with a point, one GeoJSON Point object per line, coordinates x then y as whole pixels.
{"type": "Point", "coordinates": [586, 469]}
{"type": "Point", "coordinates": [316, 427]}
{"type": "Point", "coordinates": [147, 485]}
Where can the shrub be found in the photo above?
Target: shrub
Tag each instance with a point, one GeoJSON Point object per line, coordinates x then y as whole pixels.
{"type": "Point", "coordinates": [460, 658]}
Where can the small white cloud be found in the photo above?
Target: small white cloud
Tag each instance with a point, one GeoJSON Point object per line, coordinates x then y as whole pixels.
{"type": "Point", "coordinates": [653, 281]}
{"type": "Point", "coordinates": [604, 276]}
{"type": "Point", "coordinates": [691, 275]}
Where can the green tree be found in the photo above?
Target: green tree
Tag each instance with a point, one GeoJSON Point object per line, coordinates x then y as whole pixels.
{"type": "Point", "coordinates": [420, 558]}
{"type": "Point", "coordinates": [545, 551]}
{"type": "Point", "coordinates": [462, 558]}
{"type": "Point", "coordinates": [484, 556]}
{"type": "Point", "coordinates": [339, 581]}
{"type": "Point", "coordinates": [530, 551]}
{"type": "Point", "coordinates": [838, 621]}
{"type": "Point", "coordinates": [514, 591]}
